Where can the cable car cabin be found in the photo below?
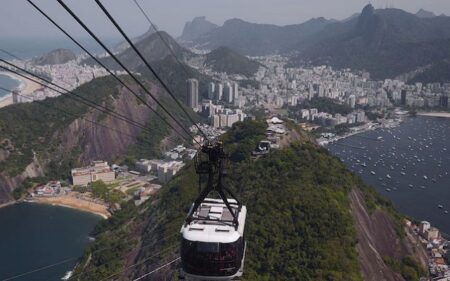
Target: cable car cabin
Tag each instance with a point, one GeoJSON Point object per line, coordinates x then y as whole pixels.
{"type": "Point", "coordinates": [213, 247]}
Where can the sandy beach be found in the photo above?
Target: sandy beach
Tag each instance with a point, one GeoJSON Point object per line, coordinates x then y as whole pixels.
{"type": "Point", "coordinates": [435, 114]}
{"type": "Point", "coordinates": [75, 203]}
{"type": "Point", "coordinates": [26, 87]}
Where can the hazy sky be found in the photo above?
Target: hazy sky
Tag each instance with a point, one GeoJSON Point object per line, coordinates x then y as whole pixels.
{"type": "Point", "coordinates": [19, 19]}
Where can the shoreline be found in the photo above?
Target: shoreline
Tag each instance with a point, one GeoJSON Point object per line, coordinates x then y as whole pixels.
{"type": "Point", "coordinates": [73, 203]}
{"type": "Point", "coordinates": [8, 204]}
{"type": "Point", "coordinates": [48, 201]}
{"type": "Point", "coordinates": [26, 88]}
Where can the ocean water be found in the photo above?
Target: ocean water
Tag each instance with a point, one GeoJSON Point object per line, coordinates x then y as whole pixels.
{"type": "Point", "coordinates": [33, 236]}
{"type": "Point", "coordinates": [410, 166]}
{"type": "Point", "coordinates": [8, 83]}
{"type": "Point", "coordinates": [26, 48]}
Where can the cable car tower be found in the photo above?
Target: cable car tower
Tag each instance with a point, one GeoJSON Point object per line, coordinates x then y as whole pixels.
{"type": "Point", "coordinates": [213, 242]}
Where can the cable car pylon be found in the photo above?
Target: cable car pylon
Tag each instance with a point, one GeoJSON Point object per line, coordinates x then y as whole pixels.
{"type": "Point", "coordinates": [213, 242]}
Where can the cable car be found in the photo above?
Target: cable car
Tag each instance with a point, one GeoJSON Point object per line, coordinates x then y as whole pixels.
{"type": "Point", "coordinates": [212, 247]}
{"type": "Point", "coordinates": [213, 241]}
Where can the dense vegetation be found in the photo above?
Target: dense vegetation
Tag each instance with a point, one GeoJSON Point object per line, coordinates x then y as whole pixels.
{"type": "Point", "coordinates": [439, 72]}
{"type": "Point", "coordinates": [298, 227]}
{"type": "Point", "coordinates": [408, 267]}
{"type": "Point", "coordinates": [32, 127]}
{"type": "Point", "coordinates": [226, 60]}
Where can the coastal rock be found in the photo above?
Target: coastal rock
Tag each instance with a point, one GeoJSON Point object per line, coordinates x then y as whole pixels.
{"type": "Point", "coordinates": [377, 239]}
{"type": "Point", "coordinates": [8, 184]}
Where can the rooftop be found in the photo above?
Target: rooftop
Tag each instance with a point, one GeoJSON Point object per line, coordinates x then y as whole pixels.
{"type": "Point", "coordinates": [221, 228]}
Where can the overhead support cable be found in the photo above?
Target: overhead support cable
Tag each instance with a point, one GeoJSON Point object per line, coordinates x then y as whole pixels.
{"type": "Point", "coordinates": [42, 103]}
{"type": "Point", "coordinates": [82, 24]}
{"type": "Point", "coordinates": [105, 67]}
{"type": "Point", "coordinates": [114, 22]}
{"type": "Point", "coordinates": [157, 269]}
{"type": "Point", "coordinates": [162, 38]}
{"type": "Point", "coordinates": [70, 94]}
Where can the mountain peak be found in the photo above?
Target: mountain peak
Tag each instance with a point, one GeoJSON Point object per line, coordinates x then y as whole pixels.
{"type": "Point", "coordinates": [368, 10]}
{"type": "Point", "coordinates": [196, 28]}
{"type": "Point", "coordinates": [366, 21]}
{"type": "Point", "coordinates": [425, 14]}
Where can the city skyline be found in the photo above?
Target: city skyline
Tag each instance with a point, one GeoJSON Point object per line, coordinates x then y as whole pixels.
{"type": "Point", "coordinates": [283, 12]}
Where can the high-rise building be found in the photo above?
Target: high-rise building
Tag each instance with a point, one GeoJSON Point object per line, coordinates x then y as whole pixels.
{"type": "Point", "coordinates": [15, 97]}
{"type": "Point", "coordinates": [352, 101]}
{"type": "Point", "coordinates": [219, 92]}
{"type": "Point", "coordinates": [235, 91]}
{"type": "Point", "coordinates": [228, 93]}
{"type": "Point", "coordinates": [211, 89]}
{"type": "Point", "coordinates": [192, 94]}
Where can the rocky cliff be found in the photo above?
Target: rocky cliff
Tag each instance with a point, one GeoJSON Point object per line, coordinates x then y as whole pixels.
{"type": "Point", "coordinates": [38, 140]}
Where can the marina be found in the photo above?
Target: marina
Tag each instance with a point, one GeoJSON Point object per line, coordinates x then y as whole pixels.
{"type": "Point", "coordinates": [410, 166]}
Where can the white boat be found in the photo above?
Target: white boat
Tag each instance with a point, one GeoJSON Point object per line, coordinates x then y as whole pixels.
{"type": "Point", "coordinates": [388, 176]}
{"type": "Point", "coordinates": [67, 276]}
{"type": "Point", "coordinates": [372, 172]}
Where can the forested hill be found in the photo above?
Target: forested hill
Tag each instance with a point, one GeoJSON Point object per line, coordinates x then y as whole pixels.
{"type": "Point", "coordinates": [304, 220]}
{"type": "Point", "coordinates": [224, 59]}
{"type": "Point", "coordinates": [48, 138]}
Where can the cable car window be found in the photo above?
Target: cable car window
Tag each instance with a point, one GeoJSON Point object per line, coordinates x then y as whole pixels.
{"type": "Point", "coordinates": [208, 247]}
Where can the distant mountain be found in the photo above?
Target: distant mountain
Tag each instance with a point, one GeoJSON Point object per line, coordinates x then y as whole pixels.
{"type": "Point", "coordinates": [425, 14]}
{"type": "Point", "coordinates": [151, 47]}
{"type": "Point", "coordinates": [354, 16]}
{"type": "Point", "coordinates": [258, 39]}
{"type": "Point", "coordinates": [224, 59]}
{"type": "Point", "coordinates": [385, 42]}
{"type": "Point", "coordinates": [58, 56]}
{"type": "Point", "coordinates": [122, 46]}
{"type": "Point", "coordinates": [196, 28]}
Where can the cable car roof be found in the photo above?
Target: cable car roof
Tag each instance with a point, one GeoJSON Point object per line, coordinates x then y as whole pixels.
{"type": "Point", "coordinates": [212, 223]}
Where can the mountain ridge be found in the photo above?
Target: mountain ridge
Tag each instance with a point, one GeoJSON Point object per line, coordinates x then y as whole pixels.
{"type": "Point", "coordinates": [57, 56]}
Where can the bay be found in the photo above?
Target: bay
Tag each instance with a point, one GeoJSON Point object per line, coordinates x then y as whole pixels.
{"type": "Point", "coordinates": [34, 236]}
{"type": "Point", "coordinates": [8, 83]}
{"type": "Point", "coordinates": [408, 164]}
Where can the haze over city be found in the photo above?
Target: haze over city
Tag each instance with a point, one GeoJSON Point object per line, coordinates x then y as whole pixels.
{"type": "Point", "coordinates": [171, 15]}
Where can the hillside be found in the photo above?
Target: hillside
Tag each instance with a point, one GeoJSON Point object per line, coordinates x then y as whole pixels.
{"type": "Point", "coordinates": [58, 56]}
{"type": "Point", "coordinates": [436, 73]}
{"type": "Point", "coordinates": [196, 28]}
{"type": "Point", "coordinates": [151, 47]}
{"type": "Point", "coordinates": [226, 60]}
{"type": "Point", "coordinates": [122, 46]}
{"type": "Point", "coordinates": [386, 42]}
{"type": "Point", "coordinates": [39, 140]}
{"type": "Point", "coordinates": [309, 219]}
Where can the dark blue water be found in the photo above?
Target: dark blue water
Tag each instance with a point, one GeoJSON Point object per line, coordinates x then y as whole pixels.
{"type": "Point", "coordinates": [8, 83]}
{"type": "Point", "coordinates": [33, 236]}
{"type": "Point", "coordinates": [412, 166]}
